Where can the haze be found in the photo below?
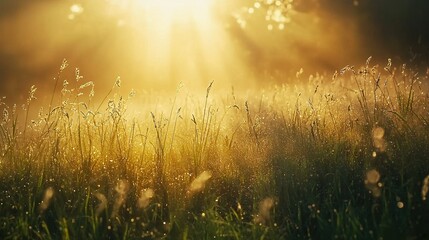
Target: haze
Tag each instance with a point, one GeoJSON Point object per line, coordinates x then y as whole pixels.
{"type": "Point", "coordinates": [156, 45]}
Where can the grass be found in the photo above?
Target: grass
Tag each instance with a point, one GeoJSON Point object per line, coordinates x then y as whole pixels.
{"type": "Point", "coordinates": [341, 157]}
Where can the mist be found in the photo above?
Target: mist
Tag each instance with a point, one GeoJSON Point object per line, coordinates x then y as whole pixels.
{"type": "Point", "coordinates": [228, 43]}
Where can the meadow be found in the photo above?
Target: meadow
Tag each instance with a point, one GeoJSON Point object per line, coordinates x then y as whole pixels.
{"type": "Point", "coordinates": [341, 156]}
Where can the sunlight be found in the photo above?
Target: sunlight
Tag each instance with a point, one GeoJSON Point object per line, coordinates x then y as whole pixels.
{"type": "Point", "coordinates": [196, 119]}
{"type": "Point", "coordinates": [177, 41]}
{"type": "Point", "coordinates": [171, 10]}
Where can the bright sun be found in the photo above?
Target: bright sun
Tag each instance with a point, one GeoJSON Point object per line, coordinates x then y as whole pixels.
{"type": "Point", "coordinates": [165, 42]}
{"type": "Point", "coordinates": [175, 10]}
{"type": "Point", "coordinates": [176, 40]}
{"type": "Point", "coordinates": [182, 8]}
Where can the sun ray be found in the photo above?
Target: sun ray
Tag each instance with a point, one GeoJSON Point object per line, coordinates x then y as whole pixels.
{"type": "Point", "coordinates": [179, 41]}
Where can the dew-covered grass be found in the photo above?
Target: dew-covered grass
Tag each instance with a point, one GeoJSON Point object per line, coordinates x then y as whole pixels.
{"type": "Point", "coordinates": [334, 157]}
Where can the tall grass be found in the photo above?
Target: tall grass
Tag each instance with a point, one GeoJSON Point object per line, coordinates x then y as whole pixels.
{"type": "Point", "coordinates": [333, 157]}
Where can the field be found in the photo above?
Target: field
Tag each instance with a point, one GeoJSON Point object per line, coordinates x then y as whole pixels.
{"type": "Point", "coordinates": [341, 156]}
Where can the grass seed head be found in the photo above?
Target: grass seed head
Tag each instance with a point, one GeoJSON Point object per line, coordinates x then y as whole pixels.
{"type": "Point", "coordinates": [49, 193]}
{"type": "Point", "coordinates": [118, 82]}
{"type": "Point", "coordinates": [122, 187]}
{"type": "Point", "coordinates": [145, 198]}
{"type": "Point", "coordinates": [264, 215]}
{"type": "Point", "coordinates": [5, 115]}
{"type": "Point", "coordinates": [122, 190]}
{"type": "Point", "coordinates": [199, 182]}
{"type": "Point", "coordinates": [425, 188]}
{"type": "Point", "coordinates": [102, 205]}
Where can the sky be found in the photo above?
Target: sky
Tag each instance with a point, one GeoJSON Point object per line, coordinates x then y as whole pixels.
{"type": "Point", "coordinates": [159, 44]}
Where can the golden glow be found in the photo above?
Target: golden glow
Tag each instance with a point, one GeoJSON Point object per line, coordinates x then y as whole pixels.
{"type": "Point", "coordinates": [176, 9]}
{"type": "Point", "coordinates": [178, 41]}
{"type": "Point", "coordinates": [158, 44]}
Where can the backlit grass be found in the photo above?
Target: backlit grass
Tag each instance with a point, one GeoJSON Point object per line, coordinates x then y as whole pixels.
{"type": "Point", "coordinates": [343, 156]}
